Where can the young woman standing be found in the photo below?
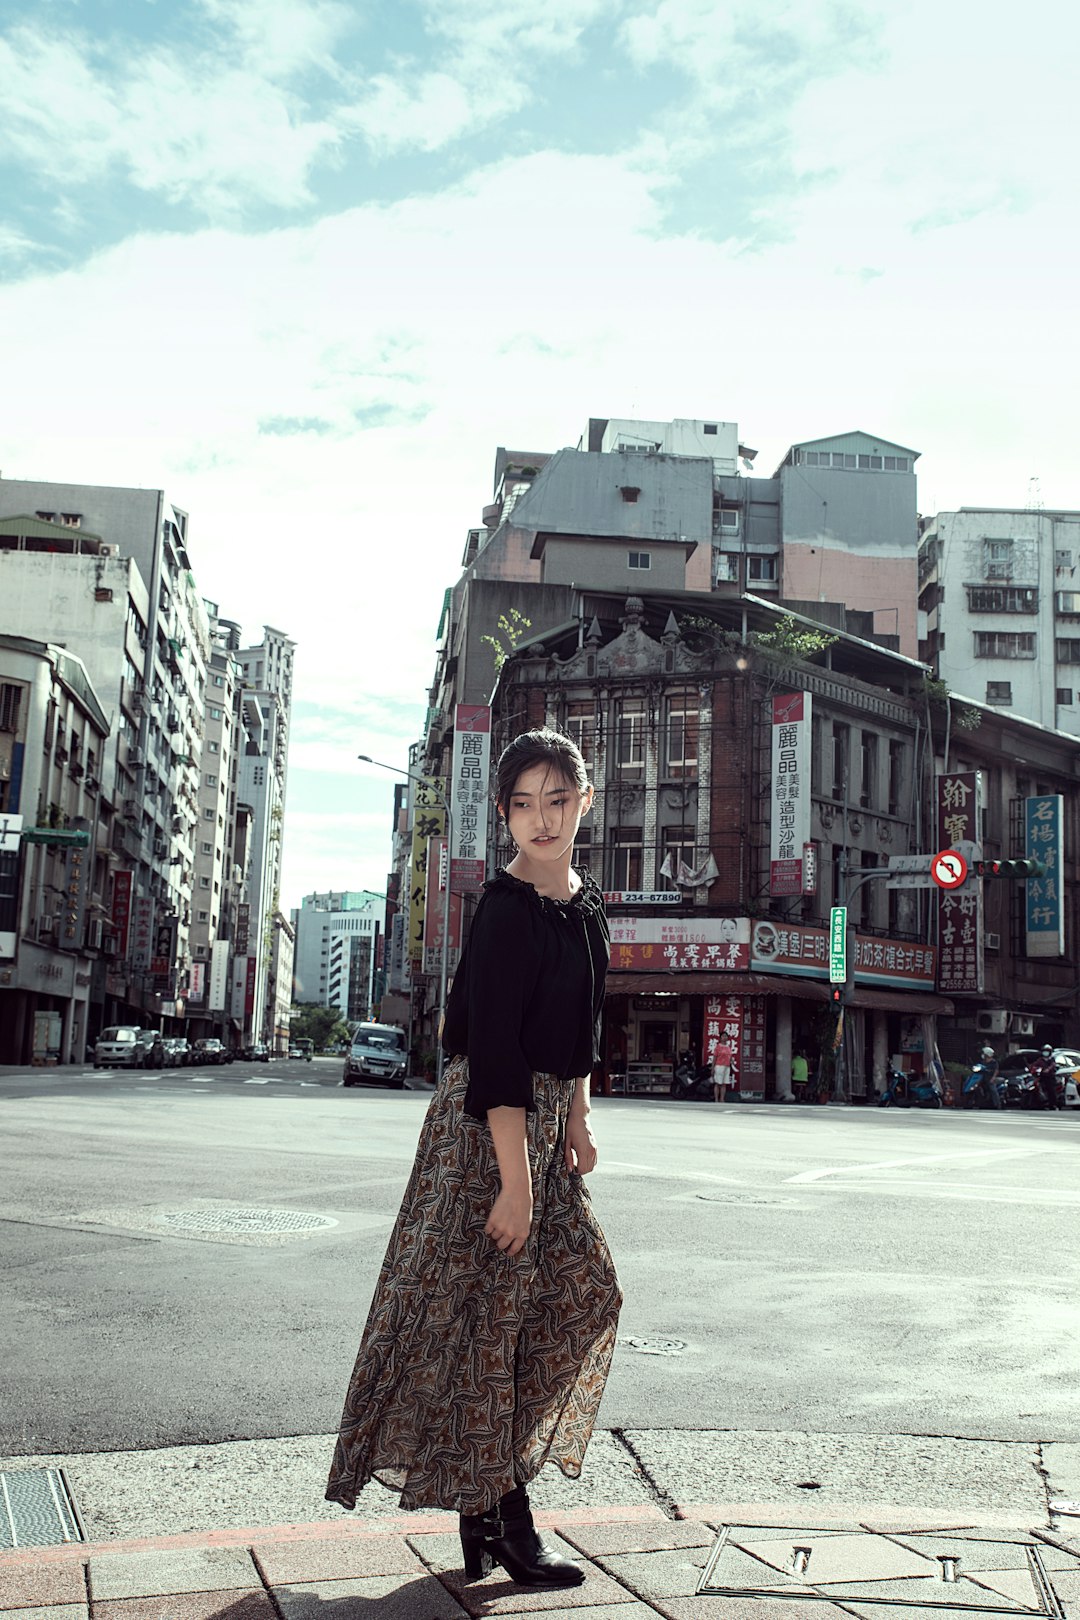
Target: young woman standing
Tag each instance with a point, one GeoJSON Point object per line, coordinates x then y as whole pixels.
{"type": "Point", "coordinates": [493, 1323]}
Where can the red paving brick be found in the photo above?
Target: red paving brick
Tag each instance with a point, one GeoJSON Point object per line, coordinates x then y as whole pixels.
{"type": "Point", "coordinates": [335, 1560]}
{"type": "Point", "coordinates": [26, 1588]}
{"type": "Point", "coordinates": [189, 1606]}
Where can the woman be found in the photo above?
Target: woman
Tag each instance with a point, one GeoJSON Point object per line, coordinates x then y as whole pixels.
{"type": "Point", "coordinates": [493, 1324]}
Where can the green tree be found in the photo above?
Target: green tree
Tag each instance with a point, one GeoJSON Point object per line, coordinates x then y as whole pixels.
{"type": "Point", "coordinates": [322, 1025]}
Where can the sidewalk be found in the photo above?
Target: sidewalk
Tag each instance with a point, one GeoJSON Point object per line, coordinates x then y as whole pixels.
{"type": "Point", "coordinates": [639, 1564]}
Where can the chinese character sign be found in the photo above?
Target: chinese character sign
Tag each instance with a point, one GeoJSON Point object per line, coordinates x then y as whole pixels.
{"type": "Point", "coordinates": [1044, 913]}
{"type": "Point", "coordinates": [429, 821]}
{"type": "Point", "coordinates": [960, 919]}
{"type": "Point", "coordinates": [434, 901]}
{"type": "Point", "coordinates": [469, 797]}
{"type": "Point", "coordinates": [790, 791]}
{"type": "Point", "coordinates": [121, 911]}
{"type": "Point", "coordinates": [652, 944]}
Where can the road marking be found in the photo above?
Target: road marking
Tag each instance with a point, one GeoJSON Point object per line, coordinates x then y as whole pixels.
{"type": "Point", "coordinates": [923, 1159]}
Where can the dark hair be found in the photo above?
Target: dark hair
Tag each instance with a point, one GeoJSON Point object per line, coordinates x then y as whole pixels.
{"type": "Point", "coordinates": [543, 747]}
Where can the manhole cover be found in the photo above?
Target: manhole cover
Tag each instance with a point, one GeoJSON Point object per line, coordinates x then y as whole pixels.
{"type": "Point", "coordinates": [876, 1574]}
{"type": "Point", "coordinates": [655, 1347]}
{"type": "Point", "coordinates": [37, 1509]}
{"type": "Point", "coordinates": [254, 1221]}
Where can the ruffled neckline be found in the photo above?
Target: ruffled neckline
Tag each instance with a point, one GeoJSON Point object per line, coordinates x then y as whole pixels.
{"type": "Point", "coordinates": [588, 899]}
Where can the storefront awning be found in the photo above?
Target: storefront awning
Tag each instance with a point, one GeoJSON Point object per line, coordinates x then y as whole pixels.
{"type": "Point", "coordinates": [771, 984]}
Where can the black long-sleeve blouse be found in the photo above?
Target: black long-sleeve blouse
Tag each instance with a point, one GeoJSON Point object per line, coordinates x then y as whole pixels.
{"type": "Point", "coordinates": [529, 991]}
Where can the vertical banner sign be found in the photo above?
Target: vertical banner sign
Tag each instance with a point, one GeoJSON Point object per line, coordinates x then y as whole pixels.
{"type": "Point", "coordinates": [249, 989]}
{"type": "Point", "coordinates": [243, 928]}
{"type": "Point", "coordinates": [196, 981]}
{"type": "Point", "coordinates": [838, 945]}
{"type": "Point", "coordinates": [435, 900]}
{"type": "Point", "coordinates": [1044, 914]}
{"type": "Point", "coordinates": [10, 839]}
{"type": "Point", "coordinates": [142, 928]}
{"type": "Point", "coordinates": [217, 999]}
{"type": "Point", "coordinates": [809, 867]}
{"type": "Point", "coordinates": [751, 1077]}
{"type": "Point", "coordinates": [78, 867]}
{"type": "Point", "coordinates": [121, 911]}
{"type": "Point", "coordinates": [790, 791]}
{"type": "Point", "coordinates": [960, 921]}
{"type": "Point", "coordinates": [429, 821]}
{"type": "Point", "coordinates": [469, 797]}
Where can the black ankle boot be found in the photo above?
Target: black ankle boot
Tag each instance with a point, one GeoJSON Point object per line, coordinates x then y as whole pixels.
{"type": "Point", "coordinates": [505, 1535]}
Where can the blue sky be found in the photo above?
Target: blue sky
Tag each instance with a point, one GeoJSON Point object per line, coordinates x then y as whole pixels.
{"type": "Point", "coordinates": [306, 263]}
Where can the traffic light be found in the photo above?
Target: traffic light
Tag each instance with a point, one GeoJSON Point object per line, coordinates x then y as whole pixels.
{"type": "Point", "coordinates": [1010, 869]}
{"type": "Point", "coordinates": [841, 995]}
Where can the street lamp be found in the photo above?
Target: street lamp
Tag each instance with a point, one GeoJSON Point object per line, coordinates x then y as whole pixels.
{"type": "Point", "coordinates": [445, 950]}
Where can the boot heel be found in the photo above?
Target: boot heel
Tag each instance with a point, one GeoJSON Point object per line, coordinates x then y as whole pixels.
{"type": "Point", "coordinates": [477, 1559]}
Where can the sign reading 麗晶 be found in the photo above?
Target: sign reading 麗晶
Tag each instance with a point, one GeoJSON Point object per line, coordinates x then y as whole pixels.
{"type": "Point", "coordinates": [469, 797]}
{"type": "Point", "coordinates": [1044, 915]}
{"type": "Point", "coordinates": [790, 791]}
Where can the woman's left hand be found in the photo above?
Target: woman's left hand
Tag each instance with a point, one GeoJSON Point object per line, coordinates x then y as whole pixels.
{"type": "Point", "coordinates": [580, 1148]}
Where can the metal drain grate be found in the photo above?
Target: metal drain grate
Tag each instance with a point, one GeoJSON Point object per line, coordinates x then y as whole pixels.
{"type": "Point", "coordinates": [37, 1509]}
{"type": "Point", "coordinates": [254, 1221]}
{"type": "Point", "coordinates": [655, 1347]}
{"type": "Point", "coordinates": [872, 1573]}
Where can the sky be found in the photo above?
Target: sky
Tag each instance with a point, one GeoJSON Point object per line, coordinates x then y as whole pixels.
{"type": "Point", "coordinates": [305, 264]}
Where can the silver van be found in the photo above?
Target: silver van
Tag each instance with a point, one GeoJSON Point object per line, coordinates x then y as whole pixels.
{"type": "Point", "coordinates": [119, 1047]}
{"type": "Point", "coordinates": [377, 1056]}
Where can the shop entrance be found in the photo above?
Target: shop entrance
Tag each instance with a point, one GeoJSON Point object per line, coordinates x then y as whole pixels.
{"type": "Point", "coordinates": [657, 1040]}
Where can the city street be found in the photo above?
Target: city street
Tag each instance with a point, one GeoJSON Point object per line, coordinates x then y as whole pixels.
{"type": "Point", "coordinates": [812, 1269]}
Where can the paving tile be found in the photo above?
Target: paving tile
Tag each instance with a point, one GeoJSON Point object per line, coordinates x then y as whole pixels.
{"type": "Point", "coordinates": [913, 1591]}
{"type": "Point", "coordinates": [283, 1563]}
{"type": "Point", "coordinates": [190, 1606]}
{"type": "Point", "coordinates": [156, 1574]}
{"type": "Point", "coordinates": [833, 1558]}
{"type": "Point", "coordinates": [376, 1597]}
{"type": "Point", "coordinates": [705, 1608]}
{"type": "Point", "coordinates": [637, 1538]}
{"type": "Point", "coordinates": [54, 1583]}
{"type": "Point", "coordinates": [56, 1611]}
{"type": "Point", "coordinates": [998, 1554]}
{"type": "Point", "coordinates": [673, 1573]}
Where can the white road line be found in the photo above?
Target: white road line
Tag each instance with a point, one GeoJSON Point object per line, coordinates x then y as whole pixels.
{"type": "Point", "coordinates": [923, 1159]}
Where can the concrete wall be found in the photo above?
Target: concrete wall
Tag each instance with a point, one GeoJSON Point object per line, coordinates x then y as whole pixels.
{"type": "Point", "coordinates": [603, 565]}
{"type": "Point", "coordinates": [127, 518]}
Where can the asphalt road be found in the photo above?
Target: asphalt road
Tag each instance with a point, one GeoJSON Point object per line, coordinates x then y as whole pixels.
{"type": "Point", "coordinates": [823, 1269]}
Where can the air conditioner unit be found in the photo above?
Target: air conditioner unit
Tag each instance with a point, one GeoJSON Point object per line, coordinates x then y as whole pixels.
{"type": "Point", "coordinates": [999, 570]}
{"type": "Point", "coordinates": [95, 930]}
{"type": "Point", "coordinates": [1022, 1024]}
{"type": "Point", "coordinates": [992, 942]}
{"type": "Point", "coordinates": [108, 551]}
{"type": "Point", "coordinates": [992, 1021]}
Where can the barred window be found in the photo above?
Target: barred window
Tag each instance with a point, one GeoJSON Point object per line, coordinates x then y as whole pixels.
{"type": "Point", "coordinates": [1004, 644]}
{"type": "Point", "coordinates": [681, 733]}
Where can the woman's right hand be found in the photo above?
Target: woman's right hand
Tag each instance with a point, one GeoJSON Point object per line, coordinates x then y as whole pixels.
{"type": "Point", "coordinates": [510, 1220]}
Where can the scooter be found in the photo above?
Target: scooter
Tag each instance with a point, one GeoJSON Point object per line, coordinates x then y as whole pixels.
{"type": "Point", "coordinates": [909, 1091]}
{"type": "Point", "coordinates": [690, 1082]}
{"type": "Point", "coordinates": [982, 1088]}
{"type": "Point", "coordinates": [1023, 1091]}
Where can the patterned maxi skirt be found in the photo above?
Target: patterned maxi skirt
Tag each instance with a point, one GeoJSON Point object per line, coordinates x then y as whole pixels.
{"type": "Point", "coordinates": [476, 1369]}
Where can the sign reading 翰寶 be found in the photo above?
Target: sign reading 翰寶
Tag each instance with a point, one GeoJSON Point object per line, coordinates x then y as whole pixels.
{"type": "Point", "coordinates": [469, 797]}
{"type": "Point", "coordinates": [960, 930]}
{"type": "Point", "coordinates": [790, 791]}
{"type": "Point", "coordinates": [1044, 917]}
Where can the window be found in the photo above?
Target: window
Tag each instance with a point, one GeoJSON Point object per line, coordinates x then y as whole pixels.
{"type": "Point", "coordinates": [1063, 697]}
{"type": "Point", "coordinates": [208, 815]}
{"type": "Point", "coordinates": [896, 463]}
{"type": "Point", "coordinates": [211, 781]}
{"type": "Point", "coordinates": [581, 728]}
{"type": "Point", "coordinates": [727, 567]}
{"type": "Point", "coordinates": [999, 691]}
{"type": "Point", "coordinates": [626, 858]}
{"type": "Point", "coordinates": [208, 849]}
{"type": "Point", "coordinates": [998, 558]}
{"type": "Point", "coordinates": [630, 737]}
{"type": "Point", "coordinates": [638, 559]}
{"type": "Point", "coordinates": [681, 734]}
{"type": "Point", "coordinates": [213, 748]}
{"type": "Point", "coordinates": [678, 846]}
{"type": "Point", "coordinates": [1004, 644]}
{"type": "Point", "coordinates": [868, 788]}
{"type": "Point", "coordinates": [204, 883]}
{"type": "Point", "coordinates": [1063, 559]}
{"type": "Point", "coordinates": [761, 567]}
{"type": "Point", "coordinates": [1067, 650]}
{"type": "Point", "coordinates": [728, 517]}
{"type": "Point", "coordinates": [217, 680]}
{"type": "Point", "coordinates": [215, 714]}
{"type": "Point", "coordinates": [708, 427]}
{"type": "Point", "coordinates": [10, 697]}
{"type": "Point", "coordinates": [1002, 599]}
{"type": "Point", "coordinates": [840, 759]}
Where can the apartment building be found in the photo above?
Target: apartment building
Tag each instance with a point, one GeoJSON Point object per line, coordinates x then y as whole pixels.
{"type": "Point", "coordinates": [1000, 591]}
{"type": "Point", "coordinates": [54, 865]}
{"type": "Point", "coordinates": [338, 937]}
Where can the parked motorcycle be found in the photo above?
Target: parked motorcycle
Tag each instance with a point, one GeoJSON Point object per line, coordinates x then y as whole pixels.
{"type": "Point", "coordinates": [909, 1091]}
{"type": "Point", "coordinates": [691, 1081]}
{"type": "Point", "coordinates": [1022, 1091]}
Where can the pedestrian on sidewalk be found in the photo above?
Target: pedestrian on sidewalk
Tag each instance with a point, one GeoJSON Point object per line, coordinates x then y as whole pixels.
{"type": "Point", "coordinates": [493, 1323]}
{"type": "Point", "coordinates": [721, 1072]}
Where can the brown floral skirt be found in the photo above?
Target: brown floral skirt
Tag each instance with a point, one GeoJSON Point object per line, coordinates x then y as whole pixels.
{"type": "Point", "coordinates": [476, 1369]}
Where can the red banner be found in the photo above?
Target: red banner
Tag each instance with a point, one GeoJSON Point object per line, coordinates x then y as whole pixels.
{"type": "Point", "coordinates": [121, 910]}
